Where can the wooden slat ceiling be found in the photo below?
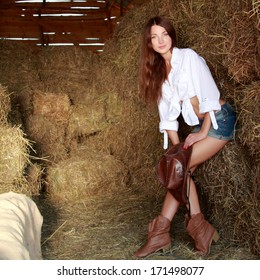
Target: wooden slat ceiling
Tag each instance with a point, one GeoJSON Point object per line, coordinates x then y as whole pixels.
{"type": "Point", "coordinates": [86, 23]}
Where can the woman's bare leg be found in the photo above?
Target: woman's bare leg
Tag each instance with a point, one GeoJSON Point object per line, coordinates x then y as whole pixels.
{"type": "Point", "coordinates": [170, 206]}
{"type": "Point", "coordinates": [202, 151]}
{"type": "Point", "coordinates": [205, 149]}
{"type": "Point", "coordinates": [159, 228]}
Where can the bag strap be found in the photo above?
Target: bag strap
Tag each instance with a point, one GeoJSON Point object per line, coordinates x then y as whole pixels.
{"type": "Point", "coordinates": [188, 192]}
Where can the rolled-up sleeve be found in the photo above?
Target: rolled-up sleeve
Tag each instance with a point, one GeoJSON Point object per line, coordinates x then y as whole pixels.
{"type": "Point", "coordinates": [202, 84]}
{"type": "Point", "coordinates": [168, 112]}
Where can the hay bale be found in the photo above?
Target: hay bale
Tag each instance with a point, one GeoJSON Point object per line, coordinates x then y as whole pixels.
{"type": "Point", "coordinates": [47, 124]}
{"type": "Point", "coordinates": [54, 106]}
{"type": "Point", "coordinates": [14, 151]}
{"type": "Point", "coordinates": [125, 133]}
{"type": "Point", "coordinates": [72, 67]}
{"type": "Point", "coordinates": [18, 65]}
{"type": "Point", "coordinates": [14, 157]}
{"type": "Point", "coordinates": [121, 55]}
{"type": "Point", "coordinates": [86, 120]}
{"type": "Point", "coordinates": [5, 104]}
{"type": "Point", "coordinates": [48, 137]}
{"type": "Point", "coordinates": [34, 175]}
{"type": "Point", "coordinates": [225, 36]}
{"type": "Point", "coordinates": [132, 138]}
{"type": "Point", "coordinates": [228, 184]}
{"type": "Point", "coordinates": [249, 118]}
{"type": "Point", "coordinates": [217, 41]}
{"type": "Point", "coordinates": [18, 72]}
{"type": "Point", "coordinates": [247, 223]}
{"type": "Point", "coordinates": [91, 174]}
{"type": "Point", "coordinates": [242, 60]}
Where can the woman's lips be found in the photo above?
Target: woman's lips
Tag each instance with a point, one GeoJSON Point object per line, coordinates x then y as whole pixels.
{"type": "Point", "coordinates": [162, 47]}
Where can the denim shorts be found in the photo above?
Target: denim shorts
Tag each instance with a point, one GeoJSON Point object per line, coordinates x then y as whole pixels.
{"type": "Point", "coordinates": [226, 120]}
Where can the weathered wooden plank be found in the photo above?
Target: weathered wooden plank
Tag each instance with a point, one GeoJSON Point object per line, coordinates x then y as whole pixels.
{"type": "Point", "coordinates": [23, 33]}
{"type": "Point", "coordinates": [50, 5]}
{"type": "Point", "coordinates": [54, 21]}
{"type": "Point", "coordinates": [38, 43]}
{"type": "Point", "coordinates": [14, 11]}
{"type": "Point", "coordinates": [33, 31]}
{"type": "Point", "coordinates": [56, 38]}
{"type": "Point", "coordinates": [65, 13]}
{"type": "Point", "coordinates": [31, 13]}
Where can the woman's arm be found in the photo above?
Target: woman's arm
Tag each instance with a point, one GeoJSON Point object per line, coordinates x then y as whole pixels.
{"type": "Point", "coordinates": [173, 135]}
{"type": "Point", "coordinates": [202, 134]}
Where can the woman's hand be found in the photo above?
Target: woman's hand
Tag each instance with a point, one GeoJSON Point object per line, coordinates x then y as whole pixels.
{"type": "Point", "coordinates": [198, 136]}
{"type": "Point", "coordinates": [193, 138]}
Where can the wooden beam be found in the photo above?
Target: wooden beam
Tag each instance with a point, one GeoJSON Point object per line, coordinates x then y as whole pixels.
{"type": "Point", "coordinates": [100, 14]}
{"type": "Point", "coordinates": [40, 21]}
{"type": "Point", "coordinates": [96, 49]}
{"type": "Point", "coordinates": [35, 32]}
{"type": "Point", "coordinates": [11, 4]}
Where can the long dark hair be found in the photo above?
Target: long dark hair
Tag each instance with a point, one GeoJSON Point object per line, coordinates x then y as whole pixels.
{"type": "Point", "coordinates": [152, 65]}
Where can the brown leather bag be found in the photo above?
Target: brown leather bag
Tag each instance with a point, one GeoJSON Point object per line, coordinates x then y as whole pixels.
{"type": "Point", "coordinates": [172, 171]}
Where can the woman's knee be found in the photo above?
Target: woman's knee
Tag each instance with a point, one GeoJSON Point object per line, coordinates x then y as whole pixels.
{"type": "Point", "coordinates": [204, 150]}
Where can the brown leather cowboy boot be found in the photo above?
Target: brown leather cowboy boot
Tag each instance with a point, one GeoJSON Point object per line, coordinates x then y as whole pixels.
{"type": "Point", "coordinates": [158, 237]}
{"type": "Point", "coordinates": [202, 232]}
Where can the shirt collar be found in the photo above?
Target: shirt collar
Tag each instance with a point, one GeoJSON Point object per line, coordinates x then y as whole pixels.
{"type": "Point", "coordinates": [176, 55]}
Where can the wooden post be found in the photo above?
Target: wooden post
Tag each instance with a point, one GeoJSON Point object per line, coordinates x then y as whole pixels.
{"type": "Point", "coordinates": [121, 8]}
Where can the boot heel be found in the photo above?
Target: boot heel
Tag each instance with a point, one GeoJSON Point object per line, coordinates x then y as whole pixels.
{"type": "Point", "coordinates": [166, 248]}
{"type": "Point", "coordinates": [215, 236]}
{"type": "Point", "coordinates": [158, 237]}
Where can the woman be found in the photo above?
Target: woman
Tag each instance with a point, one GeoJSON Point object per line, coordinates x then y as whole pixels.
{"type": "Point", "coordinates": [180, 82]}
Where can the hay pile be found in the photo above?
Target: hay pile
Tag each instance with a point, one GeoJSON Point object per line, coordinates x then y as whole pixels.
{"type": "Point", "coordinates": [89, 174]}
{"type": "Point", "coordinates": [47, 124]}
{"type": "Point", "coordinates": [18, 72]}
{"type": "Point", "coordinates": [5, 104]}
{"type": "Point", "coordinates": [14, 150]}
{"type": "Point", "coordinates": [100, 143]}
{"type": "Point", "coordinates": [67, 70]}
{"type": "Point", "coordinates": [248, 98]}
{"type": "Point", "coordinates": [227, 36]}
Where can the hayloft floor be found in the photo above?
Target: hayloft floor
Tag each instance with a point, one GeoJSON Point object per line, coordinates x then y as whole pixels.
{"type": "Point", "coordinates": [113, 228]}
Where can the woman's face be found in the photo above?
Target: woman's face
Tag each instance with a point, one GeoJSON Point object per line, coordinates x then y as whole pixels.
{"type": "Point", "coordinates": [160, 39]}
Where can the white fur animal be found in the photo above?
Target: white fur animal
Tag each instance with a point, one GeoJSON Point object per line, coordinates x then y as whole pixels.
{"type": "Point", "coordinates": [20, 228]}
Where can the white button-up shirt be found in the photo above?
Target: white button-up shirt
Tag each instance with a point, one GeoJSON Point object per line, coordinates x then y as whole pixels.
{"type": "Point", "coordinates": [189, 77]}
